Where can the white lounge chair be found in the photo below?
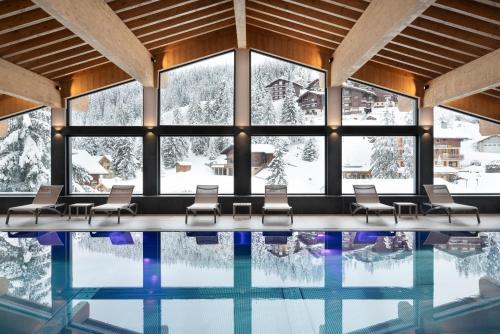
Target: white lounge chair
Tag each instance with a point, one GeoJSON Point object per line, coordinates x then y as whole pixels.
{"type": "Point", "coordinates": [276, 199]}
{"type": "Point", "coordinates": [45, 199]}
{"type": "Point", "coordinates": [206, 199]}
{"type": "Point", "coordinates": [440, 199]}
{"type": "Point", "coordinates": [118, 200]}
{"type": "Point", "coordinates": [367, 199]}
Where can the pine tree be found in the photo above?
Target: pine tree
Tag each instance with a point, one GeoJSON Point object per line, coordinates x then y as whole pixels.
{"type": "Point", "coordinates": [25, 152]}
{"type": "Point", "coordinates": [125, 158]}
{"type": "Point", "coordinates": [277, 166]}
{"type": "Point", "coordinates": [310, 151]}
{"type": "Point", "coordinates": [195, 113]}
{"type": "Point", "coordinates": [384, 158]}
{"type": "Point", "coordinates": [290, 111]}
{"type": "Point", "coordinates": [173, 149]}
{"type": "Point", "coordinates": [80, 176]}
{"type": "Point", "coordinates": [217, 144]}
{"type": "Point", "coordinates": [408, 157]}
{"type": "Point", "coordinates": [263, 112]}
{"type": "Point", "coordinates": [200, 145]}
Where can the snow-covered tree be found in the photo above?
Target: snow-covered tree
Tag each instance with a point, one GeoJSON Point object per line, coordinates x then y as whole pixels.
{"type": "Point", "coordinates": [80, 176]}
{"type": "Point", "coordinates": [384, 158]}
{"type": "Point", "coordinates": [310, 151]}
{"type": "Point", "coordinates": [125, 158]}
{"type": "Point", "coordinates": [217, 144]}
{"type": "Point", "coordinates": [408, 157]}
{"type": "Point", "coordinates": [263, 112]}
{"type": "Point", "coordinates": [195, 113]}
{"type": "Point", "coordinates": [25, 152]}
{"type": "Point", "coordinates": [200, 145]}
{"type": "Point", "coordinates": [291, 114]}
{"type": "Point", "coordinates": [277, 175]}
{"type": "Point", "coordinates": [173, 149]}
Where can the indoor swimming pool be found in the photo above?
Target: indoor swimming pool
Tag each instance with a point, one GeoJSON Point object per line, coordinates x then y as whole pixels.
{"type": "Point", "coordinates": [249, 282]}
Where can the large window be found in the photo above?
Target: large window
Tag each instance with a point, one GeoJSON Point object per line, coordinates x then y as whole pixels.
{"type": "Point", "coordinates": [189, 161]}
{"type": "Point", "coordinates": [466, 152]}
{"type": "Point", "coordinates": [98, 163]}
{"type": "Point", "coordinates": [121, 105]}
{"type": "Point", "coordinates": [200, 93]}
{"type": "Point", "coordinates": [367, 105]}
{"type": "Point", "coordinates": [285, 93]}
{"type": "Point", "coordinates": [295, 161]}
{"type": "Point", "coordinates": [388, 162]}
{"type": "Point", "coordinates": [25, 151]}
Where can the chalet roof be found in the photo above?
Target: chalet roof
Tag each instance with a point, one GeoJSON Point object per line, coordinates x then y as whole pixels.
{"type": "Point", "coordinates": [283, 79]}
{"type": "Point", "coordinates": [89, 163]}
{"type": "Point", "coordinates": [256, 148]}
{"type": "Point", "coordinates": [485, 138]}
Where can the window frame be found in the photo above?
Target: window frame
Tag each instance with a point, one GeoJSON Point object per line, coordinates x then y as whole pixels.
{"type": "Point", "coordinates": [158, 101]}
{"type": "Point", "coordinates": [483, 118]}
{"type": "Point", "coordinates": [68, 106]}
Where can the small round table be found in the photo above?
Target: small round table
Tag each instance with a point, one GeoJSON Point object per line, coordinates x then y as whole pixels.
{"type": "Point", "coordinates": [86, 206]}
{"type": "Point", "coordinates": [242, 205]}
{"type": "Point", "coordinates": [409, 205]}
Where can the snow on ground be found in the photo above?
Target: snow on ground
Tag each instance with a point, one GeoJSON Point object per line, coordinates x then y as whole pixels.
{"type": "Point", "coordinates": [400, 118]}
{"type": "Point", "coordinates": [476, 183]}
{"type": "Point", "coordinates": [384, 186]}
{"type": "Point", "coordinates": [302, 176]}
{"type": "Point", "coordinates": [137, 182]}
{"type": "Point", "coordinates": [186, 182]}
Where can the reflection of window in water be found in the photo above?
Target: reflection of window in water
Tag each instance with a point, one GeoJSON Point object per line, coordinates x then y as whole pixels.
{"type": "Point", "coordinates": [377, 259]}
{"type": "Point", "coordinates": [185, 257]}
{"type": "Point", "coordinates": [288, 259]}
{"type": "Point", "coordinates": [98, 254]}
{"type": "Point", "coordinates": [27, 266]}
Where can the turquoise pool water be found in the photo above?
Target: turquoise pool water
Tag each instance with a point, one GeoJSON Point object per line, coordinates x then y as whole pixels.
{"type": "Point", "coordinates": [242, 282]}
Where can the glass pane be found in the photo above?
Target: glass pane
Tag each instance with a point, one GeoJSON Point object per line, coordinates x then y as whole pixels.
{"type": "Point", "coordinates": [466, 152]}
{"type": "Point", "coordinates": [189, 161]}
{"type": "Point", "coordinates": [98, 163]}
{"type": "Point", "coordinates": [367, 105]}
{"type": "Point", "coordinates": [186, 257]}
{"type": "Point", "coordinates": [282, 316]}
{"type": "Point", "coordinates": [298, 162]}
{"type": "Point", "coordinates": [387, 162]}
{"type": "Point", "coordinates": [25, 151]}
{"type": "Point", "coordinates": [120, 105]}
{"type": "Point", "coordinates": [285, 93]}
{"type": "Point", "coordinates": [210, 316]}
{"type": "Point", "coordinates": [200, 93]}
{"type": "Point", "coordinates": [116, 265]}
{"type": "Point", "coordinates": [286, 259]}
{"type": "Point", "coordinates": [377, 261]}
{"type": "Point", "coordinates": [27, 266]}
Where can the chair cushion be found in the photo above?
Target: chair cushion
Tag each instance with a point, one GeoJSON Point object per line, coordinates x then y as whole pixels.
{"type": "Point", "coordinates": [276, 206]}
{"type": "Point", "coordinates": [375, 206]}
{"type": "Point", "coordinates": [456, 206]}
{"type": "Point", "coordinates": [110, 207]}
{"type": "Point", "coordinates": [31, 207]}
{"type": "Point", "coordinates": [202, 206]}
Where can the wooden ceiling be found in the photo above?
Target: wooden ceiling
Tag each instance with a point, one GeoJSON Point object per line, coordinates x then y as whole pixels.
{"type": "Point", "coordinates": [447, 35]}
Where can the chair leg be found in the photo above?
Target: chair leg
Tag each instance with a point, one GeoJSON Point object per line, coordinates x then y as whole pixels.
{"type": "Point", "coordinates": [90, 215]}
{"type": "Point", "coordinates": [367, 216]}
{"type": "Point", "coordinates": [8, 217]}
{"type": "Point", "coordinates": [449, 215]}
{"type": "Point", "coordinates": [118, 213]}
{"type": "Point", "coordinates": [263, 214]}
{"type": "Point", "coordinates": [37, 213]}
{"type": "Point", "coordinates": [186, 219]}
{"type": "Point", "coordinates": [215, 216]}
{"type": "Point", "coordinates": [291, 216]}
{"type": "Point", "coordinates": [478, 219]}
{"type": "Point", "coordinates": [395, 216]}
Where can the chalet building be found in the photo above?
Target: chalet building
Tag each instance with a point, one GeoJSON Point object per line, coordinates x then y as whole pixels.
{"type": "Point", "coordinates": [92, 165]}
{"type": "Point", "coordinates": [311, 102]}
{"type": "Point", "coordinates": [490, 144]}
{"type": "Point", "coordinates": [262, 155]}
{"type": "Point", "coordinates": [447, 152]}
{"type": "Point", "coordinates": [463, 247]}
{"type": "Point", "coordinates": [357, 99]}
{"type": "Point", "coordinates": [182, 166]}
{"type": "Point", "coordinates": [356, 172]}
{"type": "Point", "coordinates": [277, 88]}
{"type": "Point", "coordinates": [316, 85]}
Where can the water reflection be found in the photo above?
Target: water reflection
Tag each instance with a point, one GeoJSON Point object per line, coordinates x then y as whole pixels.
{"type": "Point", "coordinates": [274, 282]}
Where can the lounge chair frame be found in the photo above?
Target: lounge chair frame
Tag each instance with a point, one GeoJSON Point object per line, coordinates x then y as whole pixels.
{"type": "Point", "coordinates": [276, 195]}
{"type": "Point", "coordinates": [206, 199]}
{"type": "Point", "coordinates": [441, 199]}
{"type": "Point", "coordinates": [366, 195]}
{"type": "Point", "coordinates": [45, 200]}
{"type": "Point", "coordinates": [118, 201]}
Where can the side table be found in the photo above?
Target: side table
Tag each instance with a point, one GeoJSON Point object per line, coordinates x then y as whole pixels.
{"type": "Point", "coordinates": [409, 205]}
{"type": "Point", "coordinates": [242, 205]}
{"type": "Point", "coordinates": [85, 206]}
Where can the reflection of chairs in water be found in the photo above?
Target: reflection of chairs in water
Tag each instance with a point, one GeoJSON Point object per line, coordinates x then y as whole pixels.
{"type": "Point", "coordinates": [116, 238]}
{"type": "Point", "coordinates": [204, 238]}
{"type": "Point", "coordinates": [277, 243]}
{"type": "Point", "coordinates": [43, 238]}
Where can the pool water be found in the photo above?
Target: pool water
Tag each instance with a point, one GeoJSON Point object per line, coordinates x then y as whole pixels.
{"type": "Point", "coordinates": [250, 282]}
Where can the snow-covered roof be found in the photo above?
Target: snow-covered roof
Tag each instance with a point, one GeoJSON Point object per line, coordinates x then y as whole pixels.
{"type": "Point", "coordinates": [483, 138]}
{"type": "Point", "coordinates": [362, 88]}
{"type": "Point", "coordinates": [356, 168]}
{"type": "Point", "coordinates": [450, 134]}
{"type": "Point", "coordinates": [89, 163]}
{"type": "Point", "coordinates": [445, 170]}
{"type": "Point", "coordinates": [264, 148]}
{"type": "Point", "coordinates": [184, 163]}
{"type": "Point", "coordinates": [283, 79]}
{"type": "Point", "coordinates": [305, 91]}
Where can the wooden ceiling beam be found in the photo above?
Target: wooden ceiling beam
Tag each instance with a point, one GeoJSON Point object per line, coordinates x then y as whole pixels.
{"type": "Point", "coordinates": [293, 26]}
{"type": "Point", "coordinates": [78, 68]}
{"type": "Point", "coordinates": [477, 76]}
{"type": "Point", "coordinates": [241, 23]}
{"type": "Point", "coordinates": [34, 65]}
{"type": "Point", "coordinates": [21, 83]}
{"type": "Point", "coordinates": [471, 8]}
{"type": "Point", "coordinates": [403, 66]}
{"type": "Point", "coordinates": [422, 63]}
{"type": "Point", "coordinates": [462, 21]}
{"type": "Point", "coordinates": [371, 33]}
{"type": "Point", "coordinates": [356, 5]}
{"type": "Point", "coordinates": [297, 19]}
{"type": "Point", "coordinates": [340, 11]}
{"type": "Point", "coordinates": [15, 7]}
{"type": "Point", "coordinates": [98, 25]}
{"type": "Point", "coordinates": [444, 62]}
{"type": "Point", "coordinates": [291, 33]}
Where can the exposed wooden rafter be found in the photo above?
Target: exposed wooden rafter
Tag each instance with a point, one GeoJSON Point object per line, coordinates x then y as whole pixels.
{"type": "Point", "coordinates": [21, 83]}
{"type": "Point", "coordinates": [371, 33]}
{"type": "Point", "coordinates": [477, 76]}
{"type": "Point", "coordinates": [98, 25]}
{"type": "Point", "coordinates": [241, 23]}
